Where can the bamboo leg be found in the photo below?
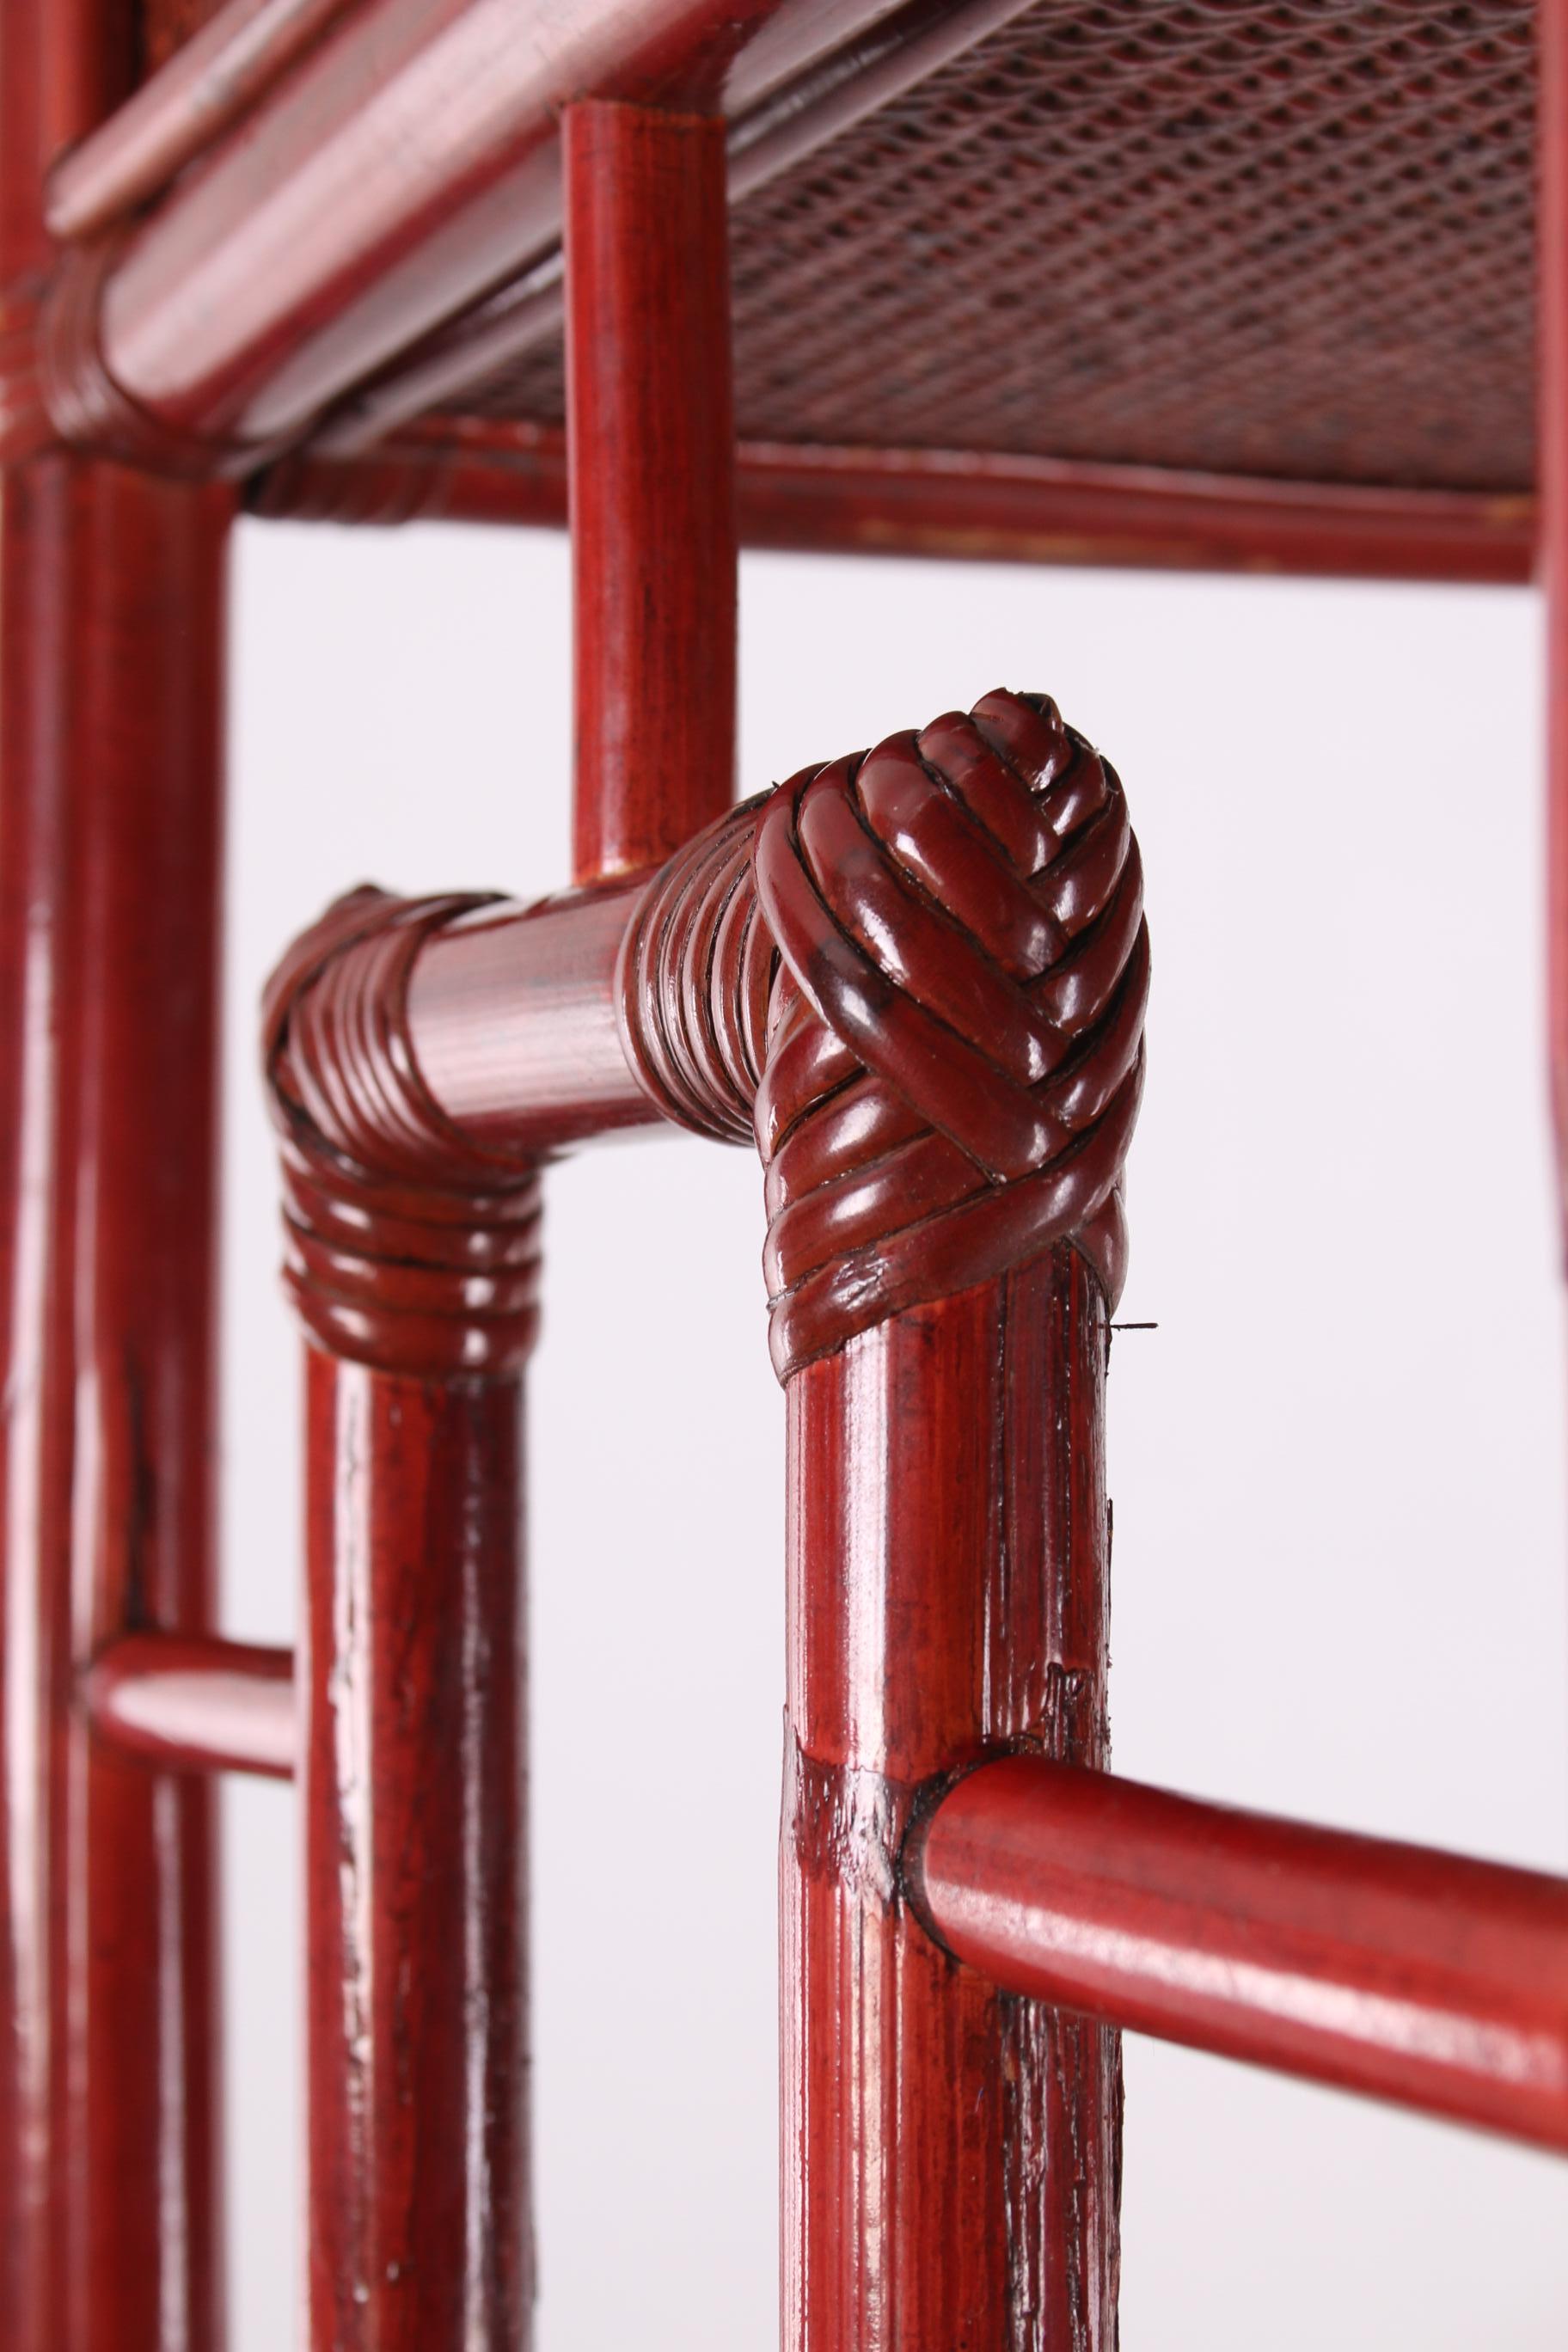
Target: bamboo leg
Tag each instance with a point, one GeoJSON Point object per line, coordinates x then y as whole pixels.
{"type": "Point", "coordinates": [110, 672]}
{"type": "Point", "coordinates": [951, 2154]}
{"type": "Point", "coordinates": [416, 1864]}
{"type": "Point", "coordinates": [413, 1266]}
{"type": "Point", "coordinates": [942, 1105]}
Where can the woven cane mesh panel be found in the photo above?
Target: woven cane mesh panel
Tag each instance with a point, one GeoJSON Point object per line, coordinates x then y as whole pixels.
{"type": "Point", "coordinates": [1292, 239]}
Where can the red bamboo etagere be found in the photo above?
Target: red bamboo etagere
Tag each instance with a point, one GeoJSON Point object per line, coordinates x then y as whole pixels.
{"type": "Point", "coordinates": [687, 276]}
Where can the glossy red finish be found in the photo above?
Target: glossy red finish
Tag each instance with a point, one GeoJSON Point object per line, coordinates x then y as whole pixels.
{"type": "Point", "coordinates": [111, 597]}
{"type": "Point", "coordinates": [881, 58]}
{"type": "Point", "coordinates": [1423, 1977]}
{"type": "Point", "coordinates": [111, 675]}
{"type": "Point", "coordinates": [651, 454]}
{"type": "Point", "coordinates": [470, 470]}
{"type": "Point", "coordinates": [416, 1828]}
{"type": "Point", "coordinates": [406, 167]}
{"type": "Point", "coordinates": [948, 1515]}
{"type": "Point", "coordinates": [951, 505]}
{"type": "Point", "coordinates": [1051, 511]}
{"type": "Point", "coordinates": [915, 976]}
{"type": "Point", "coordinates": [25, 428]}
{"type": "Point", "coordinates": [412, 1259]}
{"type": "Point", "coordinates": [513, 1026]}
{"type": "Point", "coordinates": [63, 65]}
{"type": "Point", "coordinates": [951, 2154]}
{"type": "Point", "coordinates": [515, 1030]}
{"type": "Point", "coordinates": [196, 1704]}
{"type": "Point", "coordinates": [208, 85]}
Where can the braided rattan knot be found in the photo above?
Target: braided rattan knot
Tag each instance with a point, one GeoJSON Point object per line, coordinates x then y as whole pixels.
{"type": "Point", "coordinates": [922, 972]}
{"type": "Point", "coordinates": [406, 1247]}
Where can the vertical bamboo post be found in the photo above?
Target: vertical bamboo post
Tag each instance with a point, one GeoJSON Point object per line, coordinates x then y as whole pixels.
{"type": "Point", "coordinates": [943, 1116]}
{"type": "Point", "coordinates": [111, 619]}
{"type": "Point", "coordinates": [111, 683]}
{"type": "Point", "coordinates": [952, 2154]}
{"type": "Point", "coordinates": [413, 1266]}
{"type": "Point", "coordinates": [650, 442]}
{"type": "Point", "coordinates": [919, 975]}
{"type": "Point", "coordinates": [415, 1827]}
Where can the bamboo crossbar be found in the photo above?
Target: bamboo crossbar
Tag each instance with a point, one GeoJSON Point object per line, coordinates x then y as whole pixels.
{"type": "Point", "coordinates": [949, 505]}
{"type": "Point", "coordinates": [189, 1703]}
{"type": "Point", "coordinates": [1394, 1972]}
{"type": "Point", "coordinates": [1405, 1974]}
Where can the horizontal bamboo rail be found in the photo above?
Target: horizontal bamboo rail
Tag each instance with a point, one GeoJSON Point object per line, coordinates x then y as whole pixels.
{"type": "Point", "coordinates": [1396, 1971]}
{"type": "Point", "coordinates": [206, 86]}
{"type": "Point", "coordinates": [196, 1702]}
{"type": "Point", "coordinates": [1405, 1974]}
{"type": "Point", "coordinates": [952, 504]}
{"type": "Point", "coordinates": [396, 163]}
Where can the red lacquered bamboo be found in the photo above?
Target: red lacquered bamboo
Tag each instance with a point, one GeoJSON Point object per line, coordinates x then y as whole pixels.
{"type": "Point", "coordinates": [404, 168]}
{"type": "Point", "coordinates": [951, 505]}
{"type": "Point", "coordinates": [112, 595]}
{"type": "Point", "coordinates": [512, 1024]}
{"type": "Point", "coordinates": [943, 1107]}
{"type": "Point", "coordinates": [413, 1261]}
{"type": "Point", "coordinates": [437, 371]}
{"type": "Point", "coordinates": [1553, 411]}
{"type": "Point", "coordinates": [111, 678]}
{"type": "Point", "coordinates": [876, 63]}
{"type": "Point", "coordinates": [943, 1103]}
{"type": "Point", "coordinates": [971, 505]}
{"type": "Point", "coordinates": [415, 1828]}
{"type": "Point", "coordinates": [1423, 1977]}
{"type": "Point", "coordinates": [63, 65]}
{"type": "Point", "coordinates": [651, 447]}
{"type": "Point", "coordinates": [951, 2154]}
{"type": "Point", "coordinates": [205, 87]}
{"type": "Point", "coordinates": [196, 1704]}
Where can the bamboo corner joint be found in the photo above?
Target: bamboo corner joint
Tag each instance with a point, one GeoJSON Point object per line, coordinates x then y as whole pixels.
{"type": "Point", "coordinates": [917, 977]}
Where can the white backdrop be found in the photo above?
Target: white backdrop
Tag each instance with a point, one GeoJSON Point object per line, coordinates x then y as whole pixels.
{"type": "Point", "coordinates": [1337, 1464]}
